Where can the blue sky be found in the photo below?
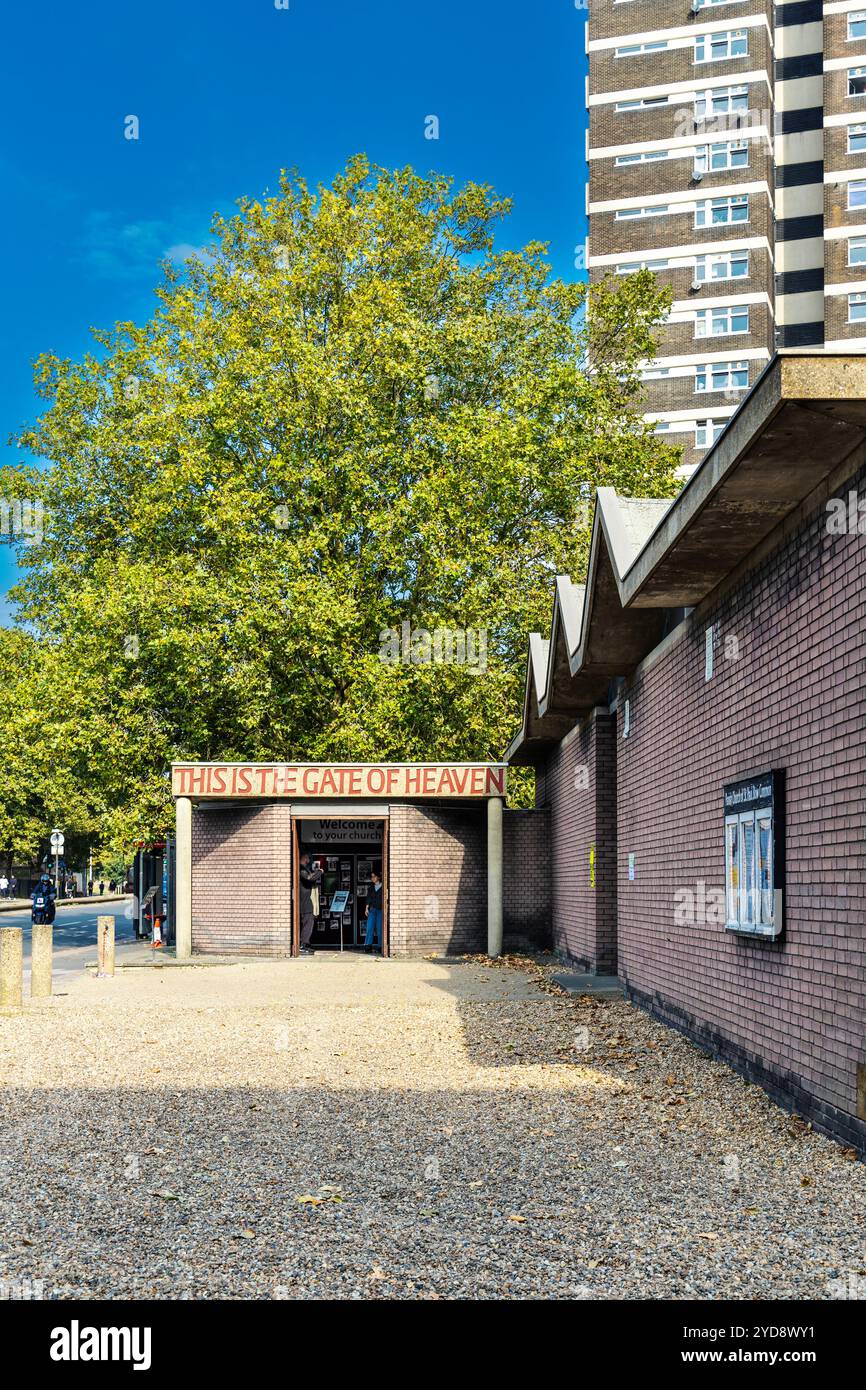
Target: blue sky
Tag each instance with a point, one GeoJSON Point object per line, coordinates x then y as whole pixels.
{"type": "Point", "coordinates": [229, 91]}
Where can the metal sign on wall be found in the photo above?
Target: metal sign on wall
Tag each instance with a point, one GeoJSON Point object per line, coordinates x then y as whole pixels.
{"type": "Point", "coordinates": [392, 780]}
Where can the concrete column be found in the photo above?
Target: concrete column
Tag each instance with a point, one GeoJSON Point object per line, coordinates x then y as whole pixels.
{"type": "Point", "coordinates": [40, 960]}
{"type": "Point", "coordinates": [11, 969]}
{"type": "Point", "coordinates": [105, 945]}
{"type": "Point", "coordinates": [183, 879]}
{"type": "Point", "coordinates": [494, 876]}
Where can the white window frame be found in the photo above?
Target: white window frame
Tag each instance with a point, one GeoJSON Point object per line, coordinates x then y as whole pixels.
{"type": "Point", "coordinates": [710, 429]}
{"type": "Point", "coordinates": [704, 156]}
{"type": "Point", "coordinates": [635, 214]}
{"type": "Point", "coordinates": [710, 370]}
{"type": "Point", "coordinates": [856, 17]}
{"type": "Point", "coordinates": [860, 243]}
{"type": "Point", "coordinates": [709, 103]}
{"type": "Point", "coordinates": [860, 130]}
{"type": "Point", "coordinates": [634, 50]}
{"type": "Point", "coordinates": [632, 267]}
{"type": "Point", "coordinates": [704, 211]}
{"type": "Point", "coordinates": [645, 157]}
{"type": "Point", "coordinates": [857, 300]}
{"type": "Point", "coordinates": [857, 73]}
{"type": "Point", "coordinates": [642, 104]}
{"type": "Point", "coordinates": [707, 317]}
{"type": "Point", "coordinates": [725, 258]}
{"type": "Point", "coordinates": [860, 185]}
{"type": "Point", "coordinates": [705, 43]}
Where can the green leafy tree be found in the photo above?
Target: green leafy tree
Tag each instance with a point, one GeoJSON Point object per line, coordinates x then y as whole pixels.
{"type": "Point", "coordinates": [40, 785]}
{"type": "Point", "coordinates": [351, 414]}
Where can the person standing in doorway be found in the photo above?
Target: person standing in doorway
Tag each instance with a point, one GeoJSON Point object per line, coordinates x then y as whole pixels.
{"type": "Point", "coordinates": [374, 913]}
{"type": "Point", "coordinates": [310, 878]}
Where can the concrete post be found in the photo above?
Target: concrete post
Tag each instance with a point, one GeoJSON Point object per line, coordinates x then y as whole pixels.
{"type": "Point", "coordinates": [183, 879]}
{"type": "Point", "coordinates": [11, 969]}
{"type": "Point", "coordinates": [41, 954]}
{"type": "Point", "coordinates": [105, 945]}
{"type": "Point", "coordinates": [494, 876]}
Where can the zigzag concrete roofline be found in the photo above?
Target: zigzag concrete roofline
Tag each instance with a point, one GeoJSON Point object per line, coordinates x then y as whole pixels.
{"type": "Point", "coordinates": [649, 556]}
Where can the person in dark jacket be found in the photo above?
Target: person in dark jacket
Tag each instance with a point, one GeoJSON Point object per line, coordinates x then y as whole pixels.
{"type": "Point", "coordinates": [43, 898]}
{"type": "Point", "coordinates": [374, 913]}
{"type": "Point", "coordinates": [310, 877]}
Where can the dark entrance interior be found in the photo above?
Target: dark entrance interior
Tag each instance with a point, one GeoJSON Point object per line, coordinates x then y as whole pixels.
{"type": "Point", "coordinates": [348, 852]}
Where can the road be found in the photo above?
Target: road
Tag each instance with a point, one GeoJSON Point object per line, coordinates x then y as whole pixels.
{"type": "Point", "coordinates": [74, 934]}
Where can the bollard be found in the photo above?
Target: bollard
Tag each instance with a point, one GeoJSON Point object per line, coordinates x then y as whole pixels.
{"type": "Point", "coordinates": [105, 944]}
{"type": "Point", "coordinates": [40, 960]}
{"type": "Point", "coordinates": [11, 969]}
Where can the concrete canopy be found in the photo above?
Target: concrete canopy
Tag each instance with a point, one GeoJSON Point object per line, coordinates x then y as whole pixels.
{"type": "Point", "coordinates": [801, 421]}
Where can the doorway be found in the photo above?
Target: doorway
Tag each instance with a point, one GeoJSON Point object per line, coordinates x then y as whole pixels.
{"type": "Point", "coordinates": [348, 851]}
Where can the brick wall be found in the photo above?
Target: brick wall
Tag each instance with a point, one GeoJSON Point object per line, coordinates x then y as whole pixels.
{"type": "Point", "coordinates": [836, 210]}
{"type": "Point", "coordinates": [791, 694]}
{"type": "Point", "coordinates": [578, 783]}
{"type": "Point", "coordinates": [609, 180]}
{"type": "Point", "coordinates": [607, 20]}
{"type": "Point", "coordinates": [241, 881]}
{"type": "Point", "coordinates": [836, 323]}
{"type": "Point", "coordinates": [631, 236]}
{"type": "Point", "coordinates": [438, 887]}
{"type": "Point", "coordinates": [527, 880]}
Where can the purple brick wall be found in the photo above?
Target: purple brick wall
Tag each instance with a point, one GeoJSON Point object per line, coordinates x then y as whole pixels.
{"type": "Point", "coordinates": [528, 880]}
{"type": "Point", "coordinates": [788, 691]}
{"type": "Point", "coordinates": [578, 784]}
{"type": "Point", "coordinates": [241, 881]}
{"type": "Point", "coordinates": [437, 885]}
{"type": "Point", "coordinates": [438, 889]}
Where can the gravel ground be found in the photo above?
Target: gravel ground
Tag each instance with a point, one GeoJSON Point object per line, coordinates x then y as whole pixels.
{"type": "Point", "coordinates": [359, 1128]}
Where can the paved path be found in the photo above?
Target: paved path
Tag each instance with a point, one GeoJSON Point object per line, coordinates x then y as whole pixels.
{"type": "Point", "coordinates": [369, 1129]}
{"type": "Point", "coordinates": [74, 935]}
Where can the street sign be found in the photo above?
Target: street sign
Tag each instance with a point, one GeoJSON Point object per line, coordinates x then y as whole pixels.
{"type": "Point", "coordinates": [57, 841]}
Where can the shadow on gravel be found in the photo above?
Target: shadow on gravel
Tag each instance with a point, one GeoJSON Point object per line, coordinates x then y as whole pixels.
{"type": "Point", "coordinates": [259, 1192]}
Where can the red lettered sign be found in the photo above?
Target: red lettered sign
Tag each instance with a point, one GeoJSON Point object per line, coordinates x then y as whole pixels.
{"type": "Point", "coordinates": [223, 781]}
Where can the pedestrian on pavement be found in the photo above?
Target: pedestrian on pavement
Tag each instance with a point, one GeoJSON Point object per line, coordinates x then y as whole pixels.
{"type": "Point", "coordinates": [374, 913]}
{"type": "Point", "coordinates": [311, 877]}
{"type": "Point", "coordinates": [13, 885]}
{"type": "Point", "coordinates": [101, 887]}
{"type": "Point", "coordinates": [90, 888]}
{"type": "Point", "coordinates": [4, 886]}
